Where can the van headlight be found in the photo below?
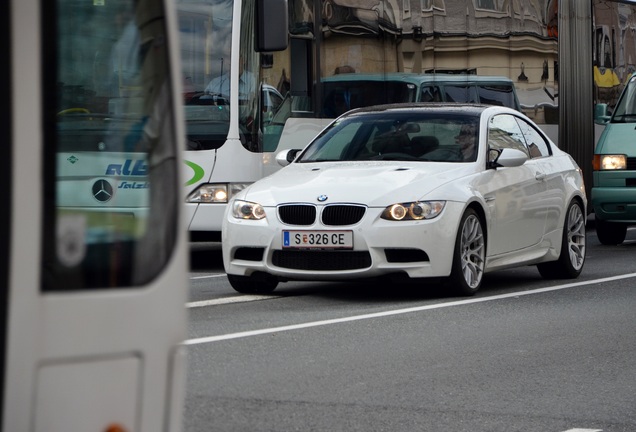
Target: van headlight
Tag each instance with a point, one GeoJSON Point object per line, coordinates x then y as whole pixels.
{"type": "Point", "coordinates": [610, 162]}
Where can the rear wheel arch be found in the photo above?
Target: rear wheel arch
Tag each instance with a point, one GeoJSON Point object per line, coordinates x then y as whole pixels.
{"type": "Point", "coordinates": [573, 245]}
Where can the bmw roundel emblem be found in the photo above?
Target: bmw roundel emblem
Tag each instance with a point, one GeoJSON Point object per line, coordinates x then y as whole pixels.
{"type": "Point", "coordinates": [322, 198]}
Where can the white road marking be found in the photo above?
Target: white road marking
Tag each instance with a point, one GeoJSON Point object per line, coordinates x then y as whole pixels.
{"type": "Point", "coordinates": [210, 339]}
{"type": "Point", "coordinates": [584, 430]}
{"type": "Point", "coordinates": [208, 276]}
{"type": "Point", "coordinates": [228, 300]}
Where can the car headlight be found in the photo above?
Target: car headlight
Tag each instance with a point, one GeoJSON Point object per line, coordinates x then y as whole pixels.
{"type": "Point", "coordinates": [609, 162]}
{"type": "Point", "coordinates": [215, 192]}
{"type": "Point", "coordinates": [413, 210]}
{"type": "Point", "coordinates": [247, 210]}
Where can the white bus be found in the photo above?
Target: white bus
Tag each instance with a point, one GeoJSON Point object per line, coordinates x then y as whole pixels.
{"type": "Point", "coordinates": [93, 247]}
{"type": "Point", "coordinates": [224, 46]}
{"type": "Point", "coordinates": [536, 44]}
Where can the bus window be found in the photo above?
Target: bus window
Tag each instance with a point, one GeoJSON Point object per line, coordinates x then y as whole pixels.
{"type": "Point", "coordinates": [111, 212]}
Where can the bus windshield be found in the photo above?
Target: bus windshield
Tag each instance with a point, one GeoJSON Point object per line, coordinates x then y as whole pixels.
{"type": "Point", "coordinates": [206, 70]}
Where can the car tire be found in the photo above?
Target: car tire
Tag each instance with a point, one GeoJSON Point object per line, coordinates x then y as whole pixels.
{"type": "Point", "coordinates": [253, 285]}
{"type": "Point", "coordinates": [573, 247]}
{"type": "Point", "coordinates": [469, 256]}
{"type": "Point", "coordinates": [610, 233]}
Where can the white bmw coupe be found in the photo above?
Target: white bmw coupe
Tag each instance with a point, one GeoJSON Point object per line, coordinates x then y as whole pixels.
{"type": "Point", "coordinates": [426, 191]}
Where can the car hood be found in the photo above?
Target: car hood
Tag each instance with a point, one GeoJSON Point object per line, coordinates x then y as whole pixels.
{"type": "Point", "coordinates": [370, 183]}
{"type": "Point", "coordinates": [617, 138]}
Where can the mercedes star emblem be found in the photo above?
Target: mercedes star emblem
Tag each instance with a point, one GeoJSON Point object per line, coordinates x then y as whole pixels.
{"type": "Point", "coordinates": [102, 191]}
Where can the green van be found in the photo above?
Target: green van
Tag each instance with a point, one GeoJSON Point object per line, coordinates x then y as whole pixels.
{"type": "Point", "coordinates": [354, 90]}
{"type": "Point", "coordinates": [614, 164]}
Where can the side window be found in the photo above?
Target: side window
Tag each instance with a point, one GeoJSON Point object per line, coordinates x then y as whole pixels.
{"type": "Point", "coordinates": [504, 132]}
{"type": "Point", "coordinates": [430, 94]}
{"type": "Point", "coordinates": [276, 100]}
{"type": "Point", "coordinates": [500, 95]}
{"type": "Point", "coordinates": [537, 145]}
{"type": "Point", "coordinates": [271, 99]}
{"type": "Point", "coordinates": [461, 93]}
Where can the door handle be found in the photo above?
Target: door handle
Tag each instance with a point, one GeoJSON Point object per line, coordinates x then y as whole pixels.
{"type": "Point", "coordinates": [540, 176]}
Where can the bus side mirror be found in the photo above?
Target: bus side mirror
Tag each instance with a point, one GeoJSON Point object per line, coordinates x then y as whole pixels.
{"type": "Point", "coordinates": [601, 116]}
{"type": "Point", "coordinates": [271, 25]}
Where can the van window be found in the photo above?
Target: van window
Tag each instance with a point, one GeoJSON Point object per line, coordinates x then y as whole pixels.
{"type": "Point", "coordinates": [430, 94]}
{"type": "Point", "coordinates": [501, 95]}
{"type": "Point", "coordinates": [461, 93]}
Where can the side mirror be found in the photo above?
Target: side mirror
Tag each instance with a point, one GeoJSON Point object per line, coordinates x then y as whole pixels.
{"type": "Point", "coordinates": [507, 158]}
{"type": "Point", "coordinates": [601, 115]}
{"type": "Point", "coordinates": [286, 157]}
{"type": "Point", "coordinates": [271, 25]}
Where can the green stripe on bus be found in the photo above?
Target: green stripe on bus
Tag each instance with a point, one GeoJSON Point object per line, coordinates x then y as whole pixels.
{"type": "Point", "coordinates": [198, 173]}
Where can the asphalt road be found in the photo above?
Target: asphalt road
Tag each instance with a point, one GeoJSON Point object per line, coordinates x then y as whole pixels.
{"type": "Point", "coordinates": [525, 354]}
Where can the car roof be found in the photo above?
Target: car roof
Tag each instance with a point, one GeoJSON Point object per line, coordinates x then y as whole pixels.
{"type": "Point", "coordinates": [272, 89]}
{"type": "Point", "coordinates": [451, 108]}
{"type": "Point", "coordinates": [416, 78]}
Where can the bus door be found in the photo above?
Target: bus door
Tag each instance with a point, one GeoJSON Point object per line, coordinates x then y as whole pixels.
{"type": "Point", "coordinates": [93, 259]}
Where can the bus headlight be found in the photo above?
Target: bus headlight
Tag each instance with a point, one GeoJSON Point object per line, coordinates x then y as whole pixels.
{"type": "Point", "coordinates": [215, 192]}
{"type": "Point", "coordinates": [247, 210]}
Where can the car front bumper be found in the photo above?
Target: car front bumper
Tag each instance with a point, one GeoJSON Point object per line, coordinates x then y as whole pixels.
{"type": "Point", "coordinates": [419, 249]}
{"type": "Point", "coordinates": [615, 204]}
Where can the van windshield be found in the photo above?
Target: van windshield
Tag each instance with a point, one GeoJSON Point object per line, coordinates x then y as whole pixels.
{"type": "Point", "coordinates": [489, 94]}
{"type": "Point", "coordinates": [625, 111]}
{"type": "Point", "coordinates": [342, 96]}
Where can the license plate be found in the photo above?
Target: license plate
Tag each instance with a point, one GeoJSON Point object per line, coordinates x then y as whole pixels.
{"type": "Point", "coordinates": [318, 239]}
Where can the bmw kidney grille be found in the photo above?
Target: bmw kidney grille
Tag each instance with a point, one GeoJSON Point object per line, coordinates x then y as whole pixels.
{"type": "Point", "coordinates": [332, 215]}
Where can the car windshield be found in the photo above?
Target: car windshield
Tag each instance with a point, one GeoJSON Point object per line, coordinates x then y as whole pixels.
{"type": "Point", "coordinates": [437, 137]}
{"type": "Point", "coordinates": [625, 111]}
